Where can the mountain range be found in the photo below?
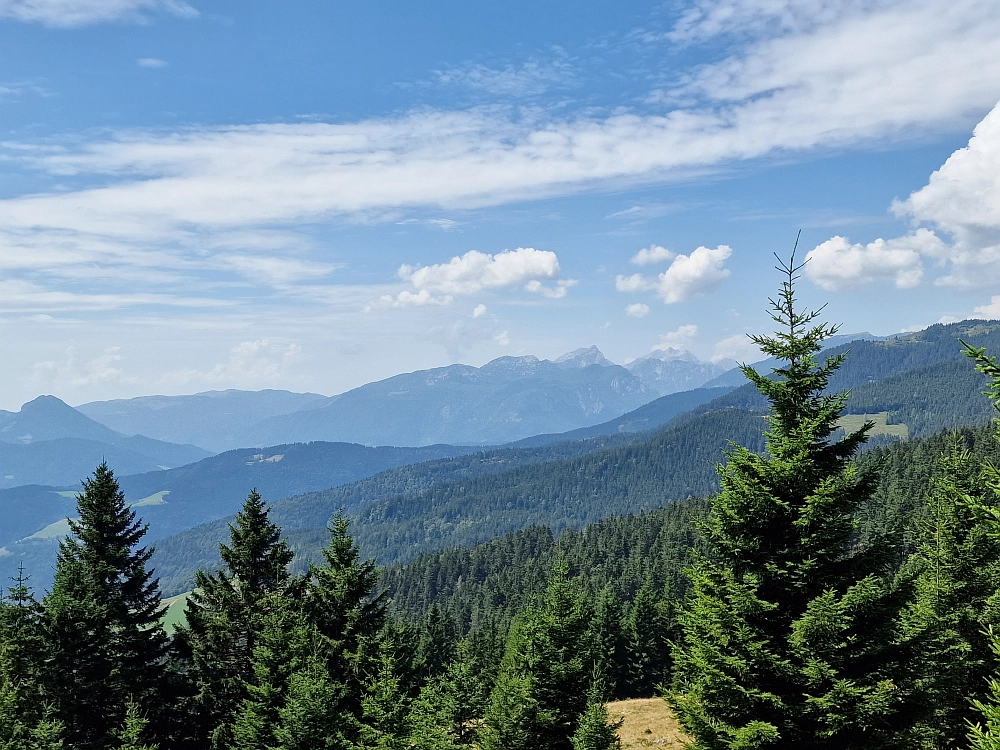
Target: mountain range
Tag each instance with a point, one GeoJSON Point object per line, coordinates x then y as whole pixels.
{"type": "Point", "coordinates": [507, 399]}
{"type": "Point", "coordinates": [420, 498]}
{"type": "Point", "coordinates": [49, 442]}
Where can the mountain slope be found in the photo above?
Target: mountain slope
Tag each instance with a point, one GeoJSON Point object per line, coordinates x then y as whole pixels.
{"type": "Point", "coordinates": [49, 442]}
{"type": "Point", "coordinates": [214, 420]}
{"type": "Point", "coordinates": [646, 417]}
{"type": "Point", "coordinates": [504, 400]}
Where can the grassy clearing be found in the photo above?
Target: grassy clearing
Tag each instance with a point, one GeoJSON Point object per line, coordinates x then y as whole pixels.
{"type": "Point", "coordinates": [649, 722]}
{"type": "Point", "coordinates": [173, 611]}
{"type": "Point", "coordinates": [851, 422]}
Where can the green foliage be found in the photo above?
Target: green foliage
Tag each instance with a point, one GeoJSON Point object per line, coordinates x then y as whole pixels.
{"type": "Point", "coordinates": [226, 614]}
{"type": "Point", "coordinates": [788, 632]}
{"type": "Point", "coordinates": [385, 708]}
{"type": "Point", "coordinates": [988, 737]}
{"type": "Point", "coordinates": [546, 670]}
{"type": "Point", "coordinates": [101, 618]}
{"type": "Point", "coordinates": [596, 730]}
{"type": "Point", "coordinates": [956, 575]}
{"type": "Point", "coordinates": [130, 735]}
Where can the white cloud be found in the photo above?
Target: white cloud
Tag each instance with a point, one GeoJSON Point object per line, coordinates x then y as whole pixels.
{"type": "Point", "coordinates": [688, 276]}
{"type": "Point", "coordinates": [652, 254]}
{"type": "Point", "coordinates": [837, 264]}
{"type": "Point", "coordinates": [804, 75]}
{"type": "Point", "coordinates": [634, 283]}
{"type": "Point", "coordinates": [70, 372]}
{"type": "Point", "coordinates": [479, 311]}
{"type": "Point", "coordinates": [678, 339]}
{"type": "Point", "coordinates": [250, 364]}
{"type": "Point", "coordinates": [992, 310]}
{"type": "Point", "coordinates": [476, 271]}
{"type": "Point", "coordinates": [738, 347]}
{"type": "Point", "coordinates": [63, 13]}
{"type": "Point", "coordinates": [691, 275]}
{"type": "Point", "coordinates": [638, 310]}
{"type": "Point", "coordinates": [530, 78]}
{"type": "Point", "coordinates": [960, 202]}
{"type": "Point", "coordinates": [151, 62]}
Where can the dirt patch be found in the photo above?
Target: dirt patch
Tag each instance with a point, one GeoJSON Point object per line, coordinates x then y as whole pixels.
{"type": "Point", "coordinates": [649, 722]}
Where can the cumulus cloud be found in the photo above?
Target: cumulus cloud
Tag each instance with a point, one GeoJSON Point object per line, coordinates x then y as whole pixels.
{"type": "Point", "coordinates": [479, 311]}
{"type": "Point", "coordinates": [991, 310]}
{"type": "Point", "coordinates": [678, 339]}
{"type": "Point", "coordinates": [638, 310]}
{"type": "Point", "coordinates": [73, 372]}
{"type": "Point", "coordinates": [65, 13]}
{"type": "Point", "coordinates": [474, 272]}
{"type": "Point", "coordinates": [652, 254]}
{"type": "Point", "coordinates": [250, 364]}
{"type": "Point", "coordinates": [837, 264]}
{"type": "Point", "coordinates": [688, 276]}
{"type": "Point", "coordinates": [960, 208]}
{"type": "Point", "coordinates": [738, 347]}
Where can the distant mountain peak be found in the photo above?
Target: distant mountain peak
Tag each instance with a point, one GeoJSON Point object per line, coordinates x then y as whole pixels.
{"type": "Point", "coordinates": [666, 354]}
{"type": "Point", "coordinates": [583, 357]}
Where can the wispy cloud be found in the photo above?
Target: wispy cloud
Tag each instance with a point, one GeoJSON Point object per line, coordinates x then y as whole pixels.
{"type": "Point", "coordinates": [65, 13]}
{"type": "Point", "coordinates": [229, 205]}
{"type": "Point", "coordinates": [530, 78]}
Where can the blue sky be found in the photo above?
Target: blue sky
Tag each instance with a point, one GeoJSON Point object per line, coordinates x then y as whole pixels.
{"type": "Point", "coordinates": [313, 195]}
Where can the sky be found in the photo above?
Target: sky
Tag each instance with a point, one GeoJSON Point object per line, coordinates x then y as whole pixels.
{"type": "Point", "coordinates": [314, 195]}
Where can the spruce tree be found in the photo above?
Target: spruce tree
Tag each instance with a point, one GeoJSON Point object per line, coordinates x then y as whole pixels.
{"type": "Point", "coordinates": [597, 731]}
{"type": "Point", "coordinates": [788, 634]}
{"type": "Point", "coordinates": [341, 603]}
{"type": "Point", "coordinates": [102, 618]}
{"type": "Point", "coordinates": [546, 671]}
{"type": "Point", "coordinates": [610, 644]}
{"type": "Point", "coordinates": [956, 570]}
{"type": "Point", "coordinates": [26, 716]}
{"type": "Point", "coordinates": [131, 733]}
{"type": "Point", "coordinates": [647, 631]}
{"type": "Point", "coordinates": [225, 615]}
{"type": "Point", "coordinates": [987, 737]}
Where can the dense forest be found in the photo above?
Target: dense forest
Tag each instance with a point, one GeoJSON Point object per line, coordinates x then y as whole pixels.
{"type": "Point", "coordinates": [790, 591]}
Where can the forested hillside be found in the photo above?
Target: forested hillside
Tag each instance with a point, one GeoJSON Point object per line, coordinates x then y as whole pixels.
{"type": "Point", "coordinates": [471, 499]}
{"type": "Point", "coordinates": [488, 583]}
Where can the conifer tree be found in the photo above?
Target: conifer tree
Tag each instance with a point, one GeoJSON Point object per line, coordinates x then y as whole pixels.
{"type": "Point", "coordinates": [437, 646]}
{"type": "Point", "coordinates": [27, 720]}
{"type": "Point", "coordinates": [546, 671]}
{"type": "Point", "coordinates": [956, 570]}
{"type": "Point", "coordinates": [610, 644]}
{"type": "Point", "coordinates": [648, 630]}
{"type": "Point", "coordinates": [226, 613]}
{"type": "Point", "coordinates": [341, 603]}
{"type": "Point", "coordinates": [130, 735]}
{"type": "Point", "coordinates": [789, 631]}
{"type": "Point", "coordinates": [102, 618]}
{"type": "Point", "coordinates": [385, 708]}
{"type": "Point", "coordinates": [311, 718]}
{"type": "Point", "coordinates": [988, 737]}
{"type": "Point", "coordinates": [597, 731]}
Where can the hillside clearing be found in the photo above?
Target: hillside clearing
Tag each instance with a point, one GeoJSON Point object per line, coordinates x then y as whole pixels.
{"type": "Point", "coordinates": [649, 722]}
{"type": "Point", "coordinates": [852, 422]}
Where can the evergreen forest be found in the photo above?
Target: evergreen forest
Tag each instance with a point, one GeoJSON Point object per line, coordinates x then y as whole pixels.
{"type": "Point", "coordinates": [813, 589]}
